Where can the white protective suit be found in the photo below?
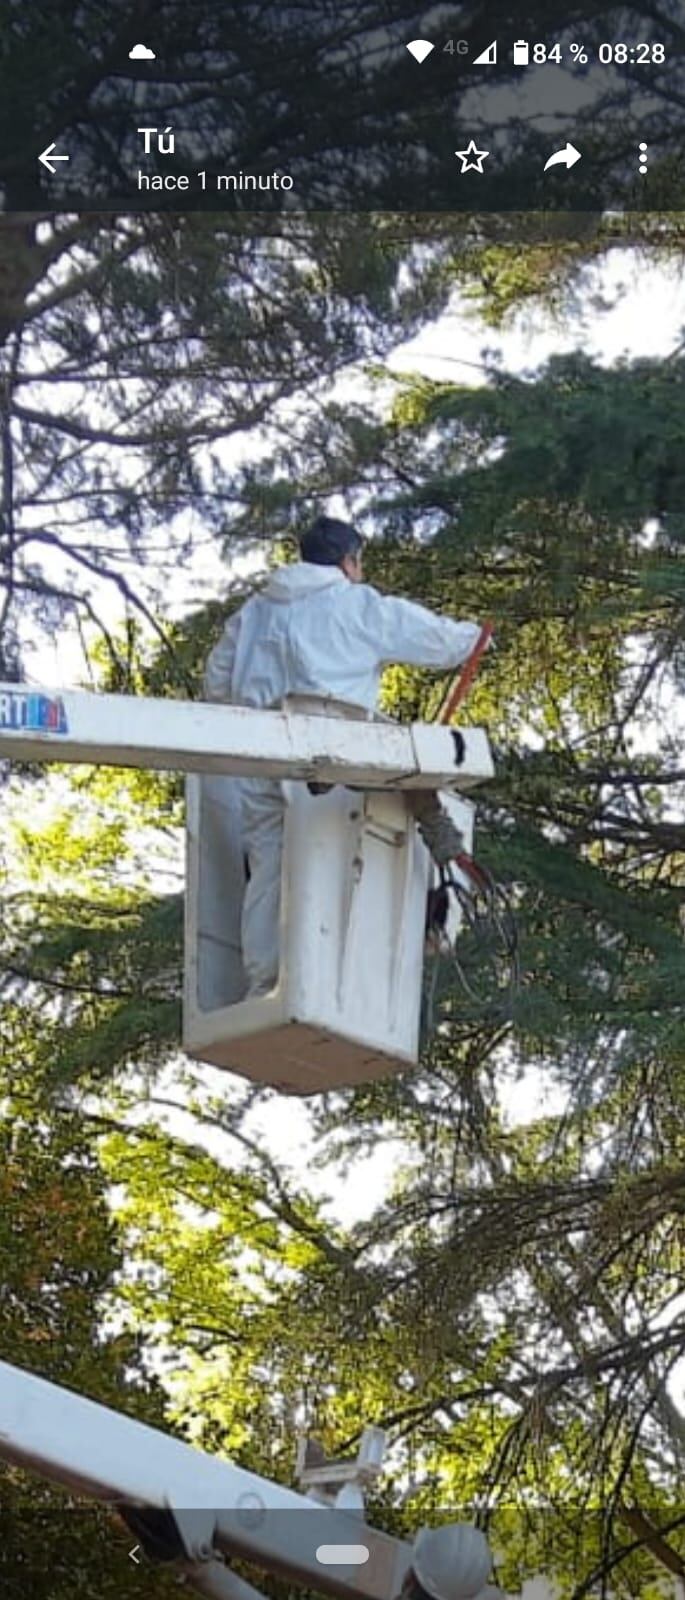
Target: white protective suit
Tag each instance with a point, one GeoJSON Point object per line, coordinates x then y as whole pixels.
{"type": "Point", "coordinates": [311, 631]}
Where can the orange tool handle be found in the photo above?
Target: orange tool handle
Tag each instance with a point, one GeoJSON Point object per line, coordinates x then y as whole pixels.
{"type": "Point", "coordinates": [459, 689]}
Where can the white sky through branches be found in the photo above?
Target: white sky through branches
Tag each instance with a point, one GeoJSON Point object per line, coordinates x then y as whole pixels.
{"type": "Point", "coordinates": [626, 307]}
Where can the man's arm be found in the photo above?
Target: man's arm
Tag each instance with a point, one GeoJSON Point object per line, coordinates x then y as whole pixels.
{"type": "Point", "coordinates": [218, 679]}
{"type": "Point", "coordinates": [411, 633]}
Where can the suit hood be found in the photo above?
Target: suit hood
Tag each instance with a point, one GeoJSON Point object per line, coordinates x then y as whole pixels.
{"type": "Point", "coordinates": [301, 579]}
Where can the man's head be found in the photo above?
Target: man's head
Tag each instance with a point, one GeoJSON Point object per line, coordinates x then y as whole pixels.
{"type": "Point", "coordinates": [331, 543]}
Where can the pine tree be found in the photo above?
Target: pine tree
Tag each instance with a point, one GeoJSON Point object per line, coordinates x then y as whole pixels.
{"type": "Point", "coordinates": [511, 1312]}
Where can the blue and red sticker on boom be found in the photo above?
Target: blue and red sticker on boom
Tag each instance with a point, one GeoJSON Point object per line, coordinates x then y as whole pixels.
{"type": "Point", "coordinates": [24, 710]}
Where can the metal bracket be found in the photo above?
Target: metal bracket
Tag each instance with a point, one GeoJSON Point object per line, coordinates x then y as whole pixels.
{"type": "Point", "coordinates": [340, 1482]}
{"type": "Point", "coordinates": [169, 1535]}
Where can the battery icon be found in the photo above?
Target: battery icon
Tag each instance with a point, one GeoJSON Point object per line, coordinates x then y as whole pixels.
{"type": "Point", "coordinates": [521, 53]}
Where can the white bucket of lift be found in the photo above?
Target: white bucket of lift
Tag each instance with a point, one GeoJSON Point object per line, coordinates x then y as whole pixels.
{"type": "Point", "coordinates": [347, 1004]}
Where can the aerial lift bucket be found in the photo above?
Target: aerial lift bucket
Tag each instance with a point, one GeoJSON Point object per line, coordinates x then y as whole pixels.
{"type": "Point", "coordinates": [346, 1005]}
{"type": "Point", "coordinates": [355, 876]}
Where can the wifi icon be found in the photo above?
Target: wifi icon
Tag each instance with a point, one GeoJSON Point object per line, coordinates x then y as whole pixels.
{"type": "Point", "coordinates": [420, 48]}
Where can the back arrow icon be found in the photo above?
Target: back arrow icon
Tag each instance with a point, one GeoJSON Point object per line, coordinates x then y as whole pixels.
{"type": "Point", "coordinates": [48, 157]}
{"type": "Point", "coordinates": [566, 157]}
{"type": "Point", "coordinates": [133, 1554]}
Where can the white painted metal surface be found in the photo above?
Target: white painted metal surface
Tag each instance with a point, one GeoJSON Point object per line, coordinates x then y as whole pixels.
{"type": "Point", "coordinates": [184, 736]}
{"type": "Point", "coordinates": [99, 1453]}
{"type": "Point", "coordinates": [347, 1005]}
{"type": "Point", "coordinates": [218, 1508]}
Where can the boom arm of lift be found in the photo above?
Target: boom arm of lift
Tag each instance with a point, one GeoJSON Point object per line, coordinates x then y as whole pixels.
{"type": "Point", "coordinates": [199, 1511]}
{"type": "Point", "coordinates": [192, 736]}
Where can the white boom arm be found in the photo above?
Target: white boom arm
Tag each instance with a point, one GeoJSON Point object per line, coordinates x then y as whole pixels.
{"type": "Point", "coordinates": [199, 1509]}
{"type": "Point", "coordinates": [192, 736]}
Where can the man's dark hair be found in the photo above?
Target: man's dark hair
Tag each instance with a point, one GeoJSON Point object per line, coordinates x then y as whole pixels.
{"type": "Point", "coordinates": [328, 541]}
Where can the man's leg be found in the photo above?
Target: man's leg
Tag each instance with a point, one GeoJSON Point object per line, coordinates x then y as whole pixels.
{"type": "Point", "coordinates": [263, 813]}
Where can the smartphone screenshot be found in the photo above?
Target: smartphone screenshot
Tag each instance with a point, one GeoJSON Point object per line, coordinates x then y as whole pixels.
{"type": "Point", "coordinates": [342, 774]}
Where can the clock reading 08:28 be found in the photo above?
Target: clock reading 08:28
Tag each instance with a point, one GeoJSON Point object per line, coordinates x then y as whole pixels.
{"type": "Point", "coordinates": [640, 55]}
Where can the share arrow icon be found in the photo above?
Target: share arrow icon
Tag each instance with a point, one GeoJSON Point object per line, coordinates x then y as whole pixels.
{"type": "Point", "coordinates": [564, 158]}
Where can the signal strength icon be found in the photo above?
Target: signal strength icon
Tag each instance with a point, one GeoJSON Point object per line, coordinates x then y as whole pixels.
{"type": "Point", "coordinates": [420, 48]}
{"type": "Point", "coordinates": [487, 58]}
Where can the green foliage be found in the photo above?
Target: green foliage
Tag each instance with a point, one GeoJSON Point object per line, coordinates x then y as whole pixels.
{"type": "Point", "coordinates": [510, 1310]}
{"type": "Point", "coordinates": [59, 1259]}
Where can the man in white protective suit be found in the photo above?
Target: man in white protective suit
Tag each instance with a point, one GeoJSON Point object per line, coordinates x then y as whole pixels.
{"type": "Point", "coordinates": [315, 629]}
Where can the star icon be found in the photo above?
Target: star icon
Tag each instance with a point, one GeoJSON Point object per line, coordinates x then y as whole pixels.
{"type": "Point", "coordinates": [472, 158]}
